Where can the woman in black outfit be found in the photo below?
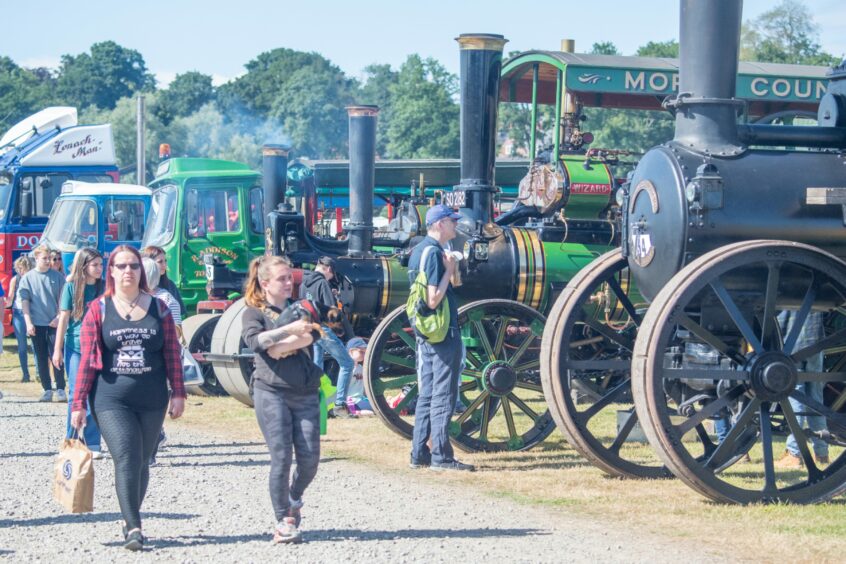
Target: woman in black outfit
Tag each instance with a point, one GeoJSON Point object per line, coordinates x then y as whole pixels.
{"type": "Point", "coordinates": [285, 384]}
{"type": "Point", "coordinates": [129, 354]}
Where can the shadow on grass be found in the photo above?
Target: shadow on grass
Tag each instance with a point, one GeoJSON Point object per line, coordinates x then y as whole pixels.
{"type": "Point", "coordinates": [344, 535]}
{"type": "Point", "coordinates": [86, 518]}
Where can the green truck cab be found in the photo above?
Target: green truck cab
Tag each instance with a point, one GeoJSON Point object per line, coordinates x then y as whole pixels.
{"type": "Point", "coordinates": [204, 206]}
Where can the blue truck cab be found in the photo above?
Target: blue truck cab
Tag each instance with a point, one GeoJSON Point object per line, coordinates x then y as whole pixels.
{"type": "Point", "coordinates": [96, 215]}
{"type": "Point", "coordinates": [37, 156]}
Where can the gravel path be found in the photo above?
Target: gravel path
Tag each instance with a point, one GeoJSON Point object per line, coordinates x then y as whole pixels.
{"type": "Point", "coordinates": [208, 501]}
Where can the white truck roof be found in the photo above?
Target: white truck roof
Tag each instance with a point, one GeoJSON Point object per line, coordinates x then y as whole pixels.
{"type": "Point", "coordinates": [79, 188]}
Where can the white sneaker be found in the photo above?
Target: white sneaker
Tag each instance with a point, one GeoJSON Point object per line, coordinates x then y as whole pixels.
{"type": "Point", "coordinates": [98, 454]}
{"type": "Point", "coordinates": [61, 396]}
{"type": "Point", "coordinates": [46, 396]}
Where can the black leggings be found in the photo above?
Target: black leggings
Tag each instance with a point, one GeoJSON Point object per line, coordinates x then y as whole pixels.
{"type": "Point", "coordinates": [43, 343]}
{"type": "Point", "coordinates": [131, 437]}
{"type": "Point", "coordinates": [288, 419]}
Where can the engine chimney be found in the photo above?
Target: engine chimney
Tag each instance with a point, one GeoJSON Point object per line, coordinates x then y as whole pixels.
{"type": "Point", "coordinates": [274, 176]}
{"type": "Point", "coordinates": [481, 64]}
{"type": "Point", "coordinates": [362, 178]}
{"type": "Point", "coordinates": [706, 110]}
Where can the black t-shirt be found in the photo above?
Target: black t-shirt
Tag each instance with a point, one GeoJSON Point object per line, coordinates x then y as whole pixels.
{"type": "Point", "coordinates": [133, 372]}
{"type": "Point", "coordinates": [296, 372]}
{"type": "Point", "coordinates": [434, 269]}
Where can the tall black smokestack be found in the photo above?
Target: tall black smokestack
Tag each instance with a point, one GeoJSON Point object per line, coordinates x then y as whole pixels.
{"type": "Point", "coordinates": [706, 117]}
{"type": "Point", "coordinates": [362, 178]}
{"type": "Point", "coordinates": [274, 176]}
{"type": "Point", "coordinates": [481, 64]}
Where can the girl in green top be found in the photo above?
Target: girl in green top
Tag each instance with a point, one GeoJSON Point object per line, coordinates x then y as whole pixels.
{"type": "Point", "coordinates": [84, 285]}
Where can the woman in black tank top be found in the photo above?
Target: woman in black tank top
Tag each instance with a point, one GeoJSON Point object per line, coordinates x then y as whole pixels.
{"type": "Point", "coordinates": [129, 354]}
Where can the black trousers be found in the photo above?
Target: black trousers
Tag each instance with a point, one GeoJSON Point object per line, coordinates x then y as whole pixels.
{"type": "Point", "coordinates": [131, 437]}
{"type": "Point", "coordinates": [43, 343]}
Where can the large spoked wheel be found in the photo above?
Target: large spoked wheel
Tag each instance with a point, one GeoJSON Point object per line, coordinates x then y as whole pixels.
{"type": "Point", "coordinates": [198, 330]}
{"type": "Point", "coordinates": [585, 368]}
{"type": "Point", "coordinates": [769, 317]}
{"type": "Point", "coordinates": [502, 405]}
{"type": "Point", "coordinates": [390, 373]}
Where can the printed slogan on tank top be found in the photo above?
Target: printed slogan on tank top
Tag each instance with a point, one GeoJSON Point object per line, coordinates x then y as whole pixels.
{"type": "Point", "coordinates": [129, 358]}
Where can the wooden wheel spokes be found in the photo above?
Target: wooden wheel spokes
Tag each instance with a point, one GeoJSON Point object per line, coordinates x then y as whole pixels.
{"type": "Point", "coordinates": [501, 392]}
{"type": "Point", "coordinates": [742, 338]}
{"type": "Point", "coordinates": [585, 365]}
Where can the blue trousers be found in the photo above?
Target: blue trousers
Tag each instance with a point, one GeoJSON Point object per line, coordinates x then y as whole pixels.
{"type": "Point", "coordinates": [91, 433]}
{"type": "Point", "coordinates": [19, 325]}
{"type": "Point", "coordinates": [332, 344]}
{"type": "Point", "coordinates": [438, 370]}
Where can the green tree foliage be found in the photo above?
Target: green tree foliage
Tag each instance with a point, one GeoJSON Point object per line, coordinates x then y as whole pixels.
{"type": "Point", "coordinates": [22, 92]}
{"type": "Point", "coordinates": [424, 121]}
{"type": "Point", "coordinates": [605, 48]}
{"type": "Point", "coordinates": [376, 90]}
{"type": "Point", "coordinates": [185, 95]}
{"type": "Point", "coordinates": [103, 76]}
{"type": "Point", "coordinates": [122, 118]}
{"type": "Point", "coordinates": [668, 49]}
{"type": "Point", "coordinates": [304, 92]}
{"type": "Point", "coordinates": [784, 34]}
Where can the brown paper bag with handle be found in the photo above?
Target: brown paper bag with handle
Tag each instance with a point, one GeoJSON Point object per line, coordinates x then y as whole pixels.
{"type": "Point", "coordinates": [73, 482]}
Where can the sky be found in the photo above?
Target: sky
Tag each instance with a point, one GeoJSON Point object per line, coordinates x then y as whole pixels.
{"type": "Point", "coordinates": [218, 37]}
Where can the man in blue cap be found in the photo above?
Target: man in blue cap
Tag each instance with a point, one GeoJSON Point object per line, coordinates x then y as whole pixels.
{"type": "Point", "coordinates": [438, 364]}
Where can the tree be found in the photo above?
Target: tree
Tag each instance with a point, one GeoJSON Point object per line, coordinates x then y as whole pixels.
{"type": "Point", "coordinates": [311, 107]}
{"type": "Point", "coordinates": [605, 48]}
{"type": "Point", "coordinates": [377, 91]}
{"type": "Point", "coordinates": [110, 72]}
{"type": "Point", "coordinates": [784, 34]}
{"type": "Point", "coordinates": [668, 49]}
{"type": "Point", "coordinates": [22, 92]}
{"type": "Point", "coordinates": [185, 95]}
{"type": "Point", "coordinates": [123, 121]}
{"type": "Point", "coordinates": [304, 92]}
{"type": "Point", "coordinates": [425, 117]}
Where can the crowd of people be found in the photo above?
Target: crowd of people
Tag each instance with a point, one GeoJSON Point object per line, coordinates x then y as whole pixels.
{"type": "Point", "coordinates": [113, 332]}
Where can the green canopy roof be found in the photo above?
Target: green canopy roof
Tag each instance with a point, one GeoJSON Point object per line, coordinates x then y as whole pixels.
{"type": "Point", "coordinates": [614, 81]}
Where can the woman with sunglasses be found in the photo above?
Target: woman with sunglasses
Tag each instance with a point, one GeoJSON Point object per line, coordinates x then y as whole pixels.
{"type": "Point", "coordinates": [56, 262]}
{"type": "Point", "coordinates": [39, 291]}
{"type": "Point", "coordinates": [85, 284]}
{"type": "Point", "coordinates": [130, 353]}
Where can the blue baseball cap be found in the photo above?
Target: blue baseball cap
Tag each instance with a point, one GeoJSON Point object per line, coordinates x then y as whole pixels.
{"type": "Point", "coordinates": [440, 212]}
{"type": "Point", "coordinates": [356, 343]}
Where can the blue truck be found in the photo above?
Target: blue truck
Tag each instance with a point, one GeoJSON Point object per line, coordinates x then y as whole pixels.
{"type": "Point", "coordinates": [37, 156]}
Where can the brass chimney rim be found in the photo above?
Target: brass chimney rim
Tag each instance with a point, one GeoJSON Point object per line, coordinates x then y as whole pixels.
{"type": "Point", "coordinates": [275, 150]}
{"type": "Point", "coordinates": [362, 110]}
{"type": "Point", "coordinates": [481, 41]}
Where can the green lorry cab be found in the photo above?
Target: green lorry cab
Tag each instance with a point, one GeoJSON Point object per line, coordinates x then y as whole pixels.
{"type": "Point", "coordinates": [204, 206]}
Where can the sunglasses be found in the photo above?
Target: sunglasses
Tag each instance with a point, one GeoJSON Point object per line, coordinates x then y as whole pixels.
{"type": "Point", "coordinates": [57, 259]}
{"type": "Point", "coordinates": [125, 265]}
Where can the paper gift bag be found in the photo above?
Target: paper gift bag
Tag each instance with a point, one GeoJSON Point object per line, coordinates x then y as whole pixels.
{"type": "Point", "coordinates": [73, 483]}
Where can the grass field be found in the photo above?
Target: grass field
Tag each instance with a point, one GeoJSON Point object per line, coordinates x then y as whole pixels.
{"type": "Point", "coordinates": [553, 476]}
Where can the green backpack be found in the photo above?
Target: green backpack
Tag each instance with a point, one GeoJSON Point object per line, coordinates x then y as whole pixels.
{"type": "Point", "coordinates": [432, 324]}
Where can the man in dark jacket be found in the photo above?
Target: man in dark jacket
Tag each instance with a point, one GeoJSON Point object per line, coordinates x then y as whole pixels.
{"type": "Point", "coordinates": [315, 286]}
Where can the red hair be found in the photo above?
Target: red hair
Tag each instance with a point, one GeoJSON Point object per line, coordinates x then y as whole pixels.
{"type": "Point", "coordinates": [110, 281]}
